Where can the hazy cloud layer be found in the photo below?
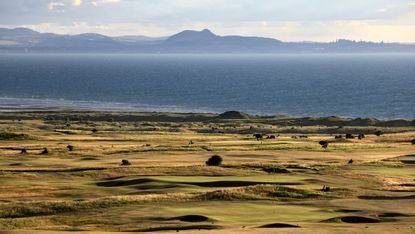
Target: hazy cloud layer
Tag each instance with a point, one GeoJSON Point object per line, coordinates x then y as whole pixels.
{"type": "Point", "coordinates": [390, 20]}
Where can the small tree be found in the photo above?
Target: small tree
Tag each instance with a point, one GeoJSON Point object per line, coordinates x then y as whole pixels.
{"type": "Point", "coordinates": [258, 136]}
{"type": "Point", "coordinates": [325, 188]}
{"type": "Point", "coordinates": [70, 147]}
{"type": "Point", "coordinates": [349, 136]}
{"type": "Point", "coordinates": [378, 133]}
{"type": "Point", "coordinates": [45, 151]}
{"type": "Point", "coordinates": [413, 141]}
{"type": "Point", "coordinates": [215, 160]}
{"type": "Point", "coordinates": [324, 144]}
{"type": "Point", "coordinates": [125, 162]}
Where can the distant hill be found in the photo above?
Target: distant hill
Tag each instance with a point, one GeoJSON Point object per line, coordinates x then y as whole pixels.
{"type": "Point", "coordinates": [205, 40]}
{"type": "Point", "coordinates": [188, 41]}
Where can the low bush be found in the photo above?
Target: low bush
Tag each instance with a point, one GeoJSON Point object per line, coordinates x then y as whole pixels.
{"type": "Point", "coordinates": [12, 136]}
{"type": "Point", "coordinates": [70, 147]}
{"type": "Point", "coordinates": [125, 162]}
{"type": "Point", "coordinates": [215, 160]}
{"type": "Point", "coordinates": [324, 144]}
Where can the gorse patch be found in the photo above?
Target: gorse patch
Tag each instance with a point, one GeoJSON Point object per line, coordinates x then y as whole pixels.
{"type": "Point", "coordinates": [13, 136]}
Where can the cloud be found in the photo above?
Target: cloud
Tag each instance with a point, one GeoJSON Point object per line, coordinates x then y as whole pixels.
{"type": "Point", "coordinates": [62, 4]}
{"type": "Point", "coordinates": [102, 2]}
{"type": "Point", "coordinates": [56, 5]}
{"type": "Point", "coordinates": [285, 19]}
{"type": "Point", "coordinates": [77, 2]}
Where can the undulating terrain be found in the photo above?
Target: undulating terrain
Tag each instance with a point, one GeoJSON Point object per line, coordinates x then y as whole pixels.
{"type": "Point", "coordinates": [63, 171]}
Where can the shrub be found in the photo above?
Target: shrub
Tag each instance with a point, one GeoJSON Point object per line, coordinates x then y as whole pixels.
{"type": "Point", "coordinates": [378, 133]}
{"type": "Point", "coordinates": [45, 151]}
{"type": "Point", "coordinates": [70, 147]}
{"type": "Point", "coordinates": [324, 144]}
{"type": "Point", "coordinates": [258, 136]}
{"type": "Point", "coordinates": [349, 136]}
{"type": "Point", "coordinates": [125, 162]}
{"type": "Point", "coordinates": [215, 160]}
{"type": "Point", "coordinates": [275, 170]}
{"type": "Point", "coordinates": [326, 189]}
{"type": "Point", "coordinates": [12, 136]}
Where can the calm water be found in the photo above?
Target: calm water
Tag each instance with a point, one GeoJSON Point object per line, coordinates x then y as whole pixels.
{"type": "Point", "coordinates": [381, 86]}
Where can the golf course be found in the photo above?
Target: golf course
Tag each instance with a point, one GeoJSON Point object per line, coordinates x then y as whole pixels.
{"type": "Point", "coordinates": [107, 172]}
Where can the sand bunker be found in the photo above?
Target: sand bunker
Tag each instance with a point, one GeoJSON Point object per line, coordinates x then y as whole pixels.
{"type": "Point", "coordinates": [193, 218]}
{"type": "Point", "coordinates": [353, 219]}
{"type": "Point", "coordinates": [279, 225]}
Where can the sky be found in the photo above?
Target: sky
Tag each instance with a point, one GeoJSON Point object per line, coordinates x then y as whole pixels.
{"type": "Point", "coordinates": [287, 20]}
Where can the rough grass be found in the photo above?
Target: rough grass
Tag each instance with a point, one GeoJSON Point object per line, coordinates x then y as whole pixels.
{"type": "Point", "coordinates": [272, 181]}
{"type": "Point", "coordinates": [30, 209]}
{"type": "Point", "coordinates": [261, 192]}
{"type": "Point", "coordinates": [13, 136]}
{"type": "Point", "coordinates": [257, 192]}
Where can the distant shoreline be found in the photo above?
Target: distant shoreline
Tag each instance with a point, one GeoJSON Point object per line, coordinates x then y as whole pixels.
{"type": "Point", "coordinates": [113, 116]}
{"type": "Point", "coordinates": [67, 110]}
{"type": "Point", "coordinates": [33, 105]}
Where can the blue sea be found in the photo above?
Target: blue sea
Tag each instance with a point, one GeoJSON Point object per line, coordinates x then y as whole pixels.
{"type": "Point", "coordinates": [352, 85]}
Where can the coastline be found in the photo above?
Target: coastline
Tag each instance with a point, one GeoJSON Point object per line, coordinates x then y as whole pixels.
{"type": "Point", "coordinates": [36, 105]}
{"type": "Point", "coordinates": [61, 114]}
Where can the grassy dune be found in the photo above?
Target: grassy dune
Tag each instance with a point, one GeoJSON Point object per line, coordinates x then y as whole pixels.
{"type": "Point", "coordinates": [262, 185]}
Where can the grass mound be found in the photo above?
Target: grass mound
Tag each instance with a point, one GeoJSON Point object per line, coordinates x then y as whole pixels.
{"type": "Point", "coordinates": [275, 170]}
{"type": "Point", "coordinates": [12, 136]}
{"type": "Point", "coordinates": [259, 192]}
{"type": "Point", "coordinates": [233, 115]}
{"type": "Point", "coordinates": [279, 225]}
{"type": "Point", "coordinates": [31, 209]}
{"type": "Point", "coordinates": [206, 184]}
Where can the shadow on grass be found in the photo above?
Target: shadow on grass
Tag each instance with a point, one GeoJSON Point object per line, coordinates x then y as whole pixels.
{"type": "Point", "coordinates": [179, 228]}
{"type": "Point", "coordinates": [279, 225]}
{"type": "Point", "coordinates": [352, 219]}
{"type": "Point", "coordinates": [386, 197]}
{"type": "Point", "coordinates": [210, 184]}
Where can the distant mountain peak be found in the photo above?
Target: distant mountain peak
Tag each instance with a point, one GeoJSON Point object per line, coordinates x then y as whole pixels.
{"type": "Point", "coordinates": [192, 36]}
{"type": "Point", "coordinates": [22, 29]}
{"type": "Point", "coordinates": [188, 41]}
{"type": "Point", "coordinates": [207, 31]}
{"type": "Point", "coordinates": [18, 31]}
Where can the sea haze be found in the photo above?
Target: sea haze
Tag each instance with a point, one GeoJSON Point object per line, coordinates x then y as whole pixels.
{"type": "Point", "coordinates": [352, 85]}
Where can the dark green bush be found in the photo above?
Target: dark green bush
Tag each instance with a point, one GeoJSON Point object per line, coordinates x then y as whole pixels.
{"type": "Point", "coordinates": [12, 136]}
{"type": "Point", "coordinates": [324, 144]}
{"type": "Point", "coordinates": [125, 162]}
{"type": "Point", "coordinates": [70, 147]}
{"type": "Point", "coordinates": [215, 160]}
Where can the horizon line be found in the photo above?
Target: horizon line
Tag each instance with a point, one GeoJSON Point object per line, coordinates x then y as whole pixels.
{"type": "Point", "coordinates": [194, 30]}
